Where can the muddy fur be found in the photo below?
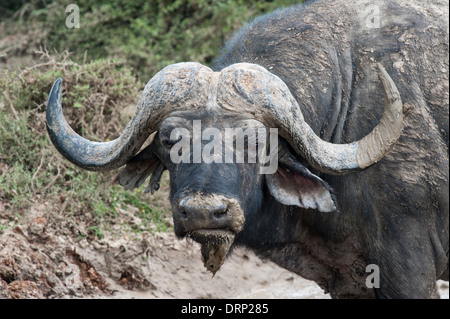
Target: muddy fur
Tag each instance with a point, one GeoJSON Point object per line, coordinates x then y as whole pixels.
{"type": "Point", "coordinates": [394, 214]}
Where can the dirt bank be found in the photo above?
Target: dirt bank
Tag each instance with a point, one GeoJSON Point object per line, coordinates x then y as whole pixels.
{"type": "Point", "coordinates": [48, 255]}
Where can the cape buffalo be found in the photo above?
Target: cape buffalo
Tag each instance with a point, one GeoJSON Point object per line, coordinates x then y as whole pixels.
{"type": "Point", "coordinates": [358, 91]}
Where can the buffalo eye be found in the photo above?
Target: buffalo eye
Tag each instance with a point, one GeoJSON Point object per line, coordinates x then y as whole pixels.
{"type": "Point", "coordinates": [168, 144]}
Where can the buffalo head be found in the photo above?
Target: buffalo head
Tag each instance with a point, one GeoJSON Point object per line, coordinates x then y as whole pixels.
{"type": "Point", "coordinates": [211, 199]}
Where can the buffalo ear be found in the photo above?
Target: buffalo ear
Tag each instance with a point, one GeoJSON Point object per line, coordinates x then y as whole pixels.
{"type": "Point", "coordinates": [139, 168]}
{"type": "Point", "coordinates": [294, 184]}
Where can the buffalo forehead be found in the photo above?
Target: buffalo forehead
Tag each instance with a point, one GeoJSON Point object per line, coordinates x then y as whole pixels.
{"type": "Point", "coordinates": [185, 87]}
{"type": "Point", "coordinates": [217, 119]}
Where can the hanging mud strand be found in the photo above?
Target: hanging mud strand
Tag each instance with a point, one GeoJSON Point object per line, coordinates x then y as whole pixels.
{"type": "Point", "coordinates": [215, 246]}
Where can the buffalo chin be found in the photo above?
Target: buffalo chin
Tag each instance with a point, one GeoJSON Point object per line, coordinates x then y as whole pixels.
{"type": "Point", "coordinates": [215, 246]}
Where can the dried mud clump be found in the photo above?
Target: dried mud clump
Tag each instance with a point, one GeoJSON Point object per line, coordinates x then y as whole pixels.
{"type": "Point", "coordinates": [215, 245]}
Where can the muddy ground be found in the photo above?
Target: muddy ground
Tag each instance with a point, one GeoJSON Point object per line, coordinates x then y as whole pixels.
{"type": "Point", "coordinates": [47, 254]}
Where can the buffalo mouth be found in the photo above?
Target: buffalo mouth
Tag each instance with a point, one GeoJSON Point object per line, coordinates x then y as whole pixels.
{"type": "Point", "coordinates": [215, 244]}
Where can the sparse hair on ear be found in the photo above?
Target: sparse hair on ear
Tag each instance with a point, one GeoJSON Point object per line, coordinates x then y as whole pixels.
{"type": "Point", "coordinates": [141, 166]}
{"type": "Point", "coordinates": [294, 184]}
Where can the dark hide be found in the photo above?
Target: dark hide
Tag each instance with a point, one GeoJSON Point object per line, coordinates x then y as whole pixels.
{"type": "Point", "coordinates": [394, 214]}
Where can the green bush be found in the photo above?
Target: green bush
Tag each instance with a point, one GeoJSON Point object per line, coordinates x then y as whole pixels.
{"type": "Point", "coordinates": [147, 35]}
{"type": "Point", "coordinates": [94, 94]}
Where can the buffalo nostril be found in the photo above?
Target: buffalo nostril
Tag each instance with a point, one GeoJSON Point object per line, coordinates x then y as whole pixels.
{"type": "Point", "coordinates": [182, 213]}
{"type": "Point", "coordinates": [183, 208]}
{"type": "Point", "coordinates": [194, 211]}
{"type": "Point", "coordinates": [219, 211]}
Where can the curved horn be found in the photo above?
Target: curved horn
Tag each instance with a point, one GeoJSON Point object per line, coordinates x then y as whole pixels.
{"type": "Point", "coordinates": [379, 142]}
{"type": "Point", "coordinates": [169, 90]}
{"type": "Point", "coordinates": [271, 102]}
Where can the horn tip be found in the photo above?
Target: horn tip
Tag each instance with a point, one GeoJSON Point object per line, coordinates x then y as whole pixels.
{"type": "Point", "coordinates": [55, 91]}
{"type": "Point", "coordinates": [57, 83]}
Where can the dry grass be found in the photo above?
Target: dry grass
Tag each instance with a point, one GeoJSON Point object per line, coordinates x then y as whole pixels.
{"type": "Point", "coordinates": [96, 100]}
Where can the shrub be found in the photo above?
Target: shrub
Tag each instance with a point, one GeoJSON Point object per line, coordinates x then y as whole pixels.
{"type": "Point", "coordinates": [146, 35]}
{"type": "Point", "coordinates": [94, 96]}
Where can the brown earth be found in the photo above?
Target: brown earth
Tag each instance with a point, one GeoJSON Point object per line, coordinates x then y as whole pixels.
{"type": "Point", "coordinates": [48, 255]}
